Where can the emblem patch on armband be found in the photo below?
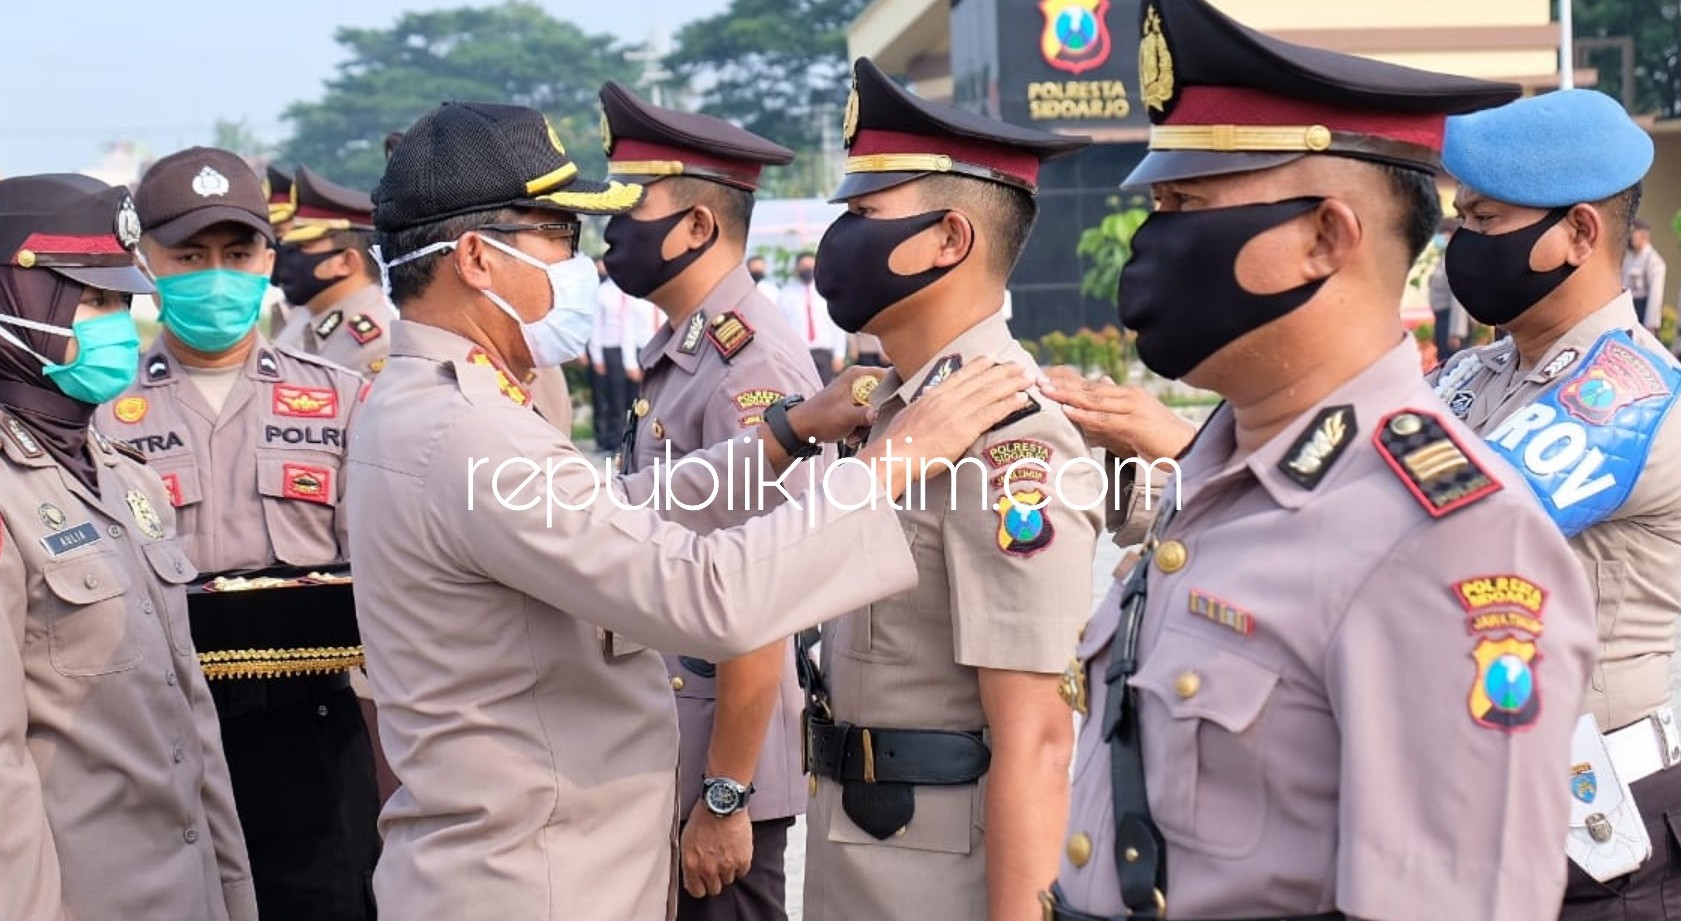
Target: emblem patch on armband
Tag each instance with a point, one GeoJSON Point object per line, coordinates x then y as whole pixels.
{"type": "Point", "coordinates": [1503, 613]}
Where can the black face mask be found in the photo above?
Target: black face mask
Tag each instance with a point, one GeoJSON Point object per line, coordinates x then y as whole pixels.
{"type": "Point", "coordinates": [294, 274]}
{"type": "Point", "coordinates": [633, 255]}
{"type": "Point", "coordinates": [805, 275]}
{"type": "Point", "coordinates": [757, 276]}
{"type": "Point", "coordinates": [852, 266]}
{"type": "Point", "coordinates": [1490, 274]}
{"type": "Point", "coordinates": [1180, 293]}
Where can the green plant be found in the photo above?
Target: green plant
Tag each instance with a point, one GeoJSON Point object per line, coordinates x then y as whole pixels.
{"type": "Point", "coordinates": [1425, 332]}
{"type": "Point", "coordinates": [1667, 331]}
{"type": "Point", "coordinates": [1108, 246]}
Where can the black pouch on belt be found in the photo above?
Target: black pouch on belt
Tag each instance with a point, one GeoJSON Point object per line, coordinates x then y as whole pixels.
{"type": "Point", "coordinates": [880, 769]}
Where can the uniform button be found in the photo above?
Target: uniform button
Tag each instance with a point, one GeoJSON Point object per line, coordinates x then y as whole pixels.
{"type": "Point", "coordinates": [1171, 556]}
{"type": "Point", "coordinates": [658, 429]}
{"type": "Point", "coordinates": [146, 606]}
{"type": "Point", "coordinates": [90, 580]}
{"type": "Point", "coordinates": [1131, 855]}
{"type": "Point", "coordinates": [1079, 849]}
{"type": "Point", "coordinates": [116, 531]}
{"type": "Point", "coordinates": [169, 678]}
{"type": "Point", "coordinates": [321, 710]}
{"type": "Point", "coordinates": [190, 836]}
{"type": "Point", "coordinates": [676, 683]}
{"type": "Point", "coordinates": [1405, 424]}
{"type": "Point", "coordinates": [1187, 684]}
{"type": "Point", "coordinates": [641, 408]}
{"type": "Point", "coordinates": [179, 569]}
{"type": "Point", "coordinates": [178, 755]}
{"type": "Point", "coordinates": [811, 784]}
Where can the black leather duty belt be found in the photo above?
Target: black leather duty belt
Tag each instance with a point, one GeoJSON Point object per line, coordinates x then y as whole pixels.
{"type": "Point", "coordinates": [848, 753]}
{"type": "Point", "coordinates": [1056, 911]}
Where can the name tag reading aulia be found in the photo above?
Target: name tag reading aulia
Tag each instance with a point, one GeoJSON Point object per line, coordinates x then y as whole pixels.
{"type": "Point", "coordinates": [59, 543]}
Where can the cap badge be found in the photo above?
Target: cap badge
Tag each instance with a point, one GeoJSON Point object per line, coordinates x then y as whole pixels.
{"type": "Point", "coordinates": [128, 224]}
{"type": "Point", "coordinates": [1155, 63]}
{"type": "Point", "coordinates": [209, 183]}
{"type": "Point", "coordinates": [849, 130]}
{"type": "Point", "coordinates": [606, 134]}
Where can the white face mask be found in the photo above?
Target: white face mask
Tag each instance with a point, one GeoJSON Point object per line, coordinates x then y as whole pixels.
{"type": "Point", "coordinates": [563, 333]}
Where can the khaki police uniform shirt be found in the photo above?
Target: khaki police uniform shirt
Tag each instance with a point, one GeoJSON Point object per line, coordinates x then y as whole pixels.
{"type": "Point", "coordinates": [260, 483]}
{"type": "Point", "coordinates": [539, 772]}
{"type": "Point", "coordinates": [115, 802]}
{"type": "Point", "coordinates": [1003, 590]}
{"type": "Point", "coordinates": [355, 332]}
{"type": "Point", "coordinates": [1315, 728]}
{"type": "Point", "coordinates": [1633, 558]}
{"type": "Point", "coordinates": [697, 391]}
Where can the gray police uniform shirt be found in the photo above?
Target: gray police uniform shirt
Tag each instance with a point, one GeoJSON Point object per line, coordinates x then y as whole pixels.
{"type": "Point", "coordinates": [711, 379]}
{"type": "Point", "coordinates": [539, 770]}
{"type": "Point", "coordinates": [260, 482]}
{"type": "Point", "coordinates": [999, 586]}
{"type": "Point", "coordinates": [115, 802]}
{"type": "Point", "coordinates": [1633, 557]}
{"type": "Point", "coordinates": [1360, 669]}
{"type": "Point", "coordinates": [353, 333]}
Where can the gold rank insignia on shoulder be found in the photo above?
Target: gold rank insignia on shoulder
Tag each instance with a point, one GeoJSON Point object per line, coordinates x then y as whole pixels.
{"type": "Point", "coordinates": [20, 436]}
{"type": "Point", "coordinates": [692, 334]}
{"type": "Point", "coordinates": [329, 323]}
{"type": "Point", "coordinates": [1435, 467]}
{"type": "Point", "coordinates": [363, 329]}
{"type": "Point", "coordinates": [504, 383]}
{"type": "Point", "coordinates": [729, 333]}
{"type": "Point", "coordinates": [145, 516]}
{"type": "Point", "coordinates": [1319, 446]}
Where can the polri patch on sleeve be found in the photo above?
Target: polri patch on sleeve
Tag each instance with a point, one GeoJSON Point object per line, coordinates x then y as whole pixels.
{"type": "Point", "coordinates": [692, 333]}
{"type": "Point", "coordinates": [363, 329]}
{"type": "Point", "coordinates": [944, 368]}
{"type": "Point", "coordinates": [1503, 613]}
{"type": "Point", "coordinates": [1023, 527]}
{"type": "Point", "coordinates": [329, 323]}
{"type": "Point", "coordinates": [1316, 450]}
{"type": "Point", "coordinates": [729, 333]}
{"type": "Point", "coordinates": [1435, 467]}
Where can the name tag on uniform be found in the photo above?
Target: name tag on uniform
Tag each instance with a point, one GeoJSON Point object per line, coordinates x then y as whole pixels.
{"type": "Point", "coordinates": [59, 543]}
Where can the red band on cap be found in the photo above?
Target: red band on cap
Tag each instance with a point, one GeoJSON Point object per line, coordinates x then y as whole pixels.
{"type": "Point", "coordinates": [631, 150]}
{"type": "Point", "coordinates": [1224, 105]}
{"type": "Point", "coordinates": [59, 244]}
{"type": "Point", "coordinates": [1011, 162]}
{"type": "Point", "coordinates": [328, 214]}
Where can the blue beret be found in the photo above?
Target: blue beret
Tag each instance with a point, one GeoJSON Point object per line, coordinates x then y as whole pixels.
{"type": "Point", "coordinates": [1548, 151]}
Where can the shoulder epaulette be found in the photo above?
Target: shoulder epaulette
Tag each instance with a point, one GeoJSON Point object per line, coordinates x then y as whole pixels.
{"type": "Point", "coordinates": [363, 329]}
{"type": "Point", "coordinates": [127, 450]}
{"type": "Point", "coordinates": [1020, 414]}
{"type": "Point", "coordinates": [1433, 465]}
{"type": "Point", "coordinates": [729, 333]}
{"type": "Point", "coordinates": [329, 323]}
{"type": "Point", "coordinates": [310, 358]}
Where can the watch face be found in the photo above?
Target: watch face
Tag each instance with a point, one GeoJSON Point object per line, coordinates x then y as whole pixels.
{"type": "Point", "coordinates": [722, 798]}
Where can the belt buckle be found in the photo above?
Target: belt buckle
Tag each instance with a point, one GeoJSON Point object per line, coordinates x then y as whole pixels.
{"type": "Point", "coordinates": [869, 757]}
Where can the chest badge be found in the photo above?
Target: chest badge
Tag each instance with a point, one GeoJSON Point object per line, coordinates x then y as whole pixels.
{"type": "Point", "coordinates": [1226, 615]}
{"type": "Point", "coordinates": [1072, 687]}
{"type": "Point", "coordinates": [305, 402]}
{"type": "Point", "coordinates": [52, 516]}
{"type": "Point", "coordinates": [145, 517]}
{"type": "Point", "coordinates": [130, 409]}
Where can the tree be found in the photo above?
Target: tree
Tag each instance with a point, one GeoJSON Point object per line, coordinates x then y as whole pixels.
{"type": "Point", "coordinates": [1108, 246]}
{"type": "Point", "coordinates": [779, 69]}
{"type": "Point", "coordinates": [1655, 28]}
{"type": "Point", "coordinates": [513, 53]}
{"type": "Point", "coordinates": [239, 138]}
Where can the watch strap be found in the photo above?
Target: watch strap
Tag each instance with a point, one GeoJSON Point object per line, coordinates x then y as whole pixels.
{"type": "Point", "coordinates": [777, 418]}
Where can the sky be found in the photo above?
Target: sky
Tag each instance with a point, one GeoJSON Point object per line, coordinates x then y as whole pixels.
{"type": "Point", "coordinates": [161, 72]}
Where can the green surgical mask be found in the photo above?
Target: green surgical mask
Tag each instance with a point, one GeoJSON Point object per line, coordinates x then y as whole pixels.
{"type": "Point", "coordinates": [107, 356]}
{"type": "Point", "coordinates": [211, 310]}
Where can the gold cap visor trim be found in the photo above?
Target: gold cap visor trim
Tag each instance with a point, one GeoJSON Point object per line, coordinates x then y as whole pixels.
{"type": "Point", "coordinates": [551, 179]}
{"type": "Point", "coordinates": [931, 163]}
{"type": "Point", "coordinates": [1301, 139]}
{"type": "Point", "coordinates": [616, 199]}
{"type": "Point", "coordinates": [305, 230]}
{"type": "Point", "coordinates": [280, 214]}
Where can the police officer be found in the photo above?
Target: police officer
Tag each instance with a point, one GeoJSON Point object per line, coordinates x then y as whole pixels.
{"type": "Point", "coordinates": [277, 188]}
{"type": "Point", "coordinates": [936, 715]}
{"type": "Point", "coordinates": [114, 794]}
{"type": "Point", "coordinates": [1580, 398]}
{"type": "Point", "coordinates": [324, 265]}
{"type": "Point", "coordinates": [249, 440]}
{"type": "Point", "coordinates": [740, 783]}
{"type": "Point", "coordinates": [526, 741]}
{"type": "Point", "coordinates": [1341, 680]}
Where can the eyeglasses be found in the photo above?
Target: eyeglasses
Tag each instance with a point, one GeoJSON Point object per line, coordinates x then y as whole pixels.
{"type": "Point", "coordinates": [562, 231]}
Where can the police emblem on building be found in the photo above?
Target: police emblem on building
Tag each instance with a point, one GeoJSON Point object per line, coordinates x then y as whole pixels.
{"type": "Point", "coordinates": [1076, 36]}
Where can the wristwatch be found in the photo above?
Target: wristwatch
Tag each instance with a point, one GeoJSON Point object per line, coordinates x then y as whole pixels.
{"type": "Point", "coordinates": [777, 418]}
{"type": "Point", "coordinates": [723, 796]}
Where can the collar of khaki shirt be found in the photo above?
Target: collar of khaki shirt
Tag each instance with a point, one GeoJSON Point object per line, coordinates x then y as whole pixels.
{"type": "Point", "coordinates": [986, 339]}
{"type": "Point", "coordinates": [253, 368]}
{"type": "Point", "coordinates": [98, 447]}
{"type": "Point", "coordinates": [431, 343]}
{"type": "Point", "coordinates": [667, 344]}
{"type": "Point", "coordinates": [1372, 394]}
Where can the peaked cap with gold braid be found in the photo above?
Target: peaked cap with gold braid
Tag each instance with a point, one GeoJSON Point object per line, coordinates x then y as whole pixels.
{"type": "Point", "coordinates": [320, 207]}
{"type": "Point", "coordinates": [474, 156]}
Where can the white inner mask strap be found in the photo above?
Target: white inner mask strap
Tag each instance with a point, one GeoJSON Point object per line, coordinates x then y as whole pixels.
{"type": "Point", "coordinates": [11, 337]}
{"type": "Point", "coordinates": [519, 254]}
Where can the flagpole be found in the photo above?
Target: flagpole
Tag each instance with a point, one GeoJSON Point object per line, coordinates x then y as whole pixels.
{"type": "Point", "coordinates": [1566, 46]}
